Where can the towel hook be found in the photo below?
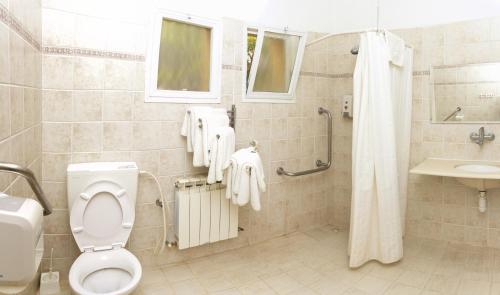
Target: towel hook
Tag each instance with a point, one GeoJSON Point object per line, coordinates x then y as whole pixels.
{"type": "Point", "coordinates": [255, 145]}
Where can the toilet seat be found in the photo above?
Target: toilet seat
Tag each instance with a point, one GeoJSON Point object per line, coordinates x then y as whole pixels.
{"type": "Point", "coordinates": [93, 265]}
{"type": "Point", "coordinates": [92, 236]}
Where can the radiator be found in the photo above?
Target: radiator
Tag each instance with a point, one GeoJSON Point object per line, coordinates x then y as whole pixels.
{"type": "Point", "coordinates": [203, 214]}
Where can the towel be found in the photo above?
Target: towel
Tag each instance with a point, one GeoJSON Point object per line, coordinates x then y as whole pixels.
{"type": "Point", "coordinates": [196, 137]}
{"type": "Point", "coordinates": [190, 122]}
{"type": "Point", "coordinates": [396, 48]}
{"type": "Point", "coordinates": [221, 149]}
{"type": "Point", "coordinates": [245, 178]}
{"type": "Point", "coordinates": [210, 125]}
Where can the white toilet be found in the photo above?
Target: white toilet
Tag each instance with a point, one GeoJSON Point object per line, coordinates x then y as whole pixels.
{"type": "Point", "coordinates": [101, 200]}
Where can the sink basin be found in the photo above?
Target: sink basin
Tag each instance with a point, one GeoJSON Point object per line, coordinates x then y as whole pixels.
{"type": "Point", "coordinates": [474, 174]}
{"type": "Point", "coordinates": [478, 168]}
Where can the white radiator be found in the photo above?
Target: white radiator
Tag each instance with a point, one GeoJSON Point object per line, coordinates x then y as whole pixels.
{"type": "Point", "coordinates": [203, 214]}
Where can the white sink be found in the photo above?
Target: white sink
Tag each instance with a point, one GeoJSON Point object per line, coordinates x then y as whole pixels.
{"type": "Point", "coordinates": [475, 174]}
{"type": "Point", "coordinates": [478, 168]}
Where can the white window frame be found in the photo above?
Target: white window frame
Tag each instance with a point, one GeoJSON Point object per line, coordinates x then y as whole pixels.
{"type": "Point", "coordinates": [272, 97]}
{"type": "Point", "coordinates": [152, 93]}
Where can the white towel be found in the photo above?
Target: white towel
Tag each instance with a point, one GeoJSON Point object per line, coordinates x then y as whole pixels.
{"type": "Point", "coordinates": [396, 49]}
{"type": "Point", "coordinates": [210, 125]}
{"type": "Point", "coordinates": [245, 178]}
{"type": "Point", "coordinates": [190, 123]}
{"type": "Point", "coordinates": [196, 136]}
{"type": "Point", "coordinates": [221, 149]}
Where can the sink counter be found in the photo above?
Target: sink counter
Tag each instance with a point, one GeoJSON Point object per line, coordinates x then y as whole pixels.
{"type": "Point", "coordinates": [448, 168]}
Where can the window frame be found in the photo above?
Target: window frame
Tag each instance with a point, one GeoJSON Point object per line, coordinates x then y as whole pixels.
{"type": "Point", "coordinates": [272, 97]}
{"type": "Point", "coordinates": [152, 93]}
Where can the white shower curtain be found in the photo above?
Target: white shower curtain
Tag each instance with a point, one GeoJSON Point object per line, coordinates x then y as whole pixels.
{"type": "Point", "coordinates": [380, 151]}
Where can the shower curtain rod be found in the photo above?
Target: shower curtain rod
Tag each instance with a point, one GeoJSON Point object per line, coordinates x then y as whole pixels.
{"type": "Point", "coordinates": [354, 32]}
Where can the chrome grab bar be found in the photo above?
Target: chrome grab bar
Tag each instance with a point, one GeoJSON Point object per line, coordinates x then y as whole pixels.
{"type": "Point", "coordinates": [456, 111]}
{"type": "Point", "coordinates": [30, 177]}
{"type": "Point", "coordinates": [320, 164]}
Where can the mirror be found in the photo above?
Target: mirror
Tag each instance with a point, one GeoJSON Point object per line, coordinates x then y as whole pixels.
{"type": "Point", "coordinates": [465, 93]}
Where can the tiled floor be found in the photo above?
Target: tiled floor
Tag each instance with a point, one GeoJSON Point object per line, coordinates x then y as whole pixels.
{"type": "Point", "coordinates": [315, 262]}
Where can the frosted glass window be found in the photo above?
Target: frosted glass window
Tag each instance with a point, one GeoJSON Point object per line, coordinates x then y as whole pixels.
{"type": "Point", "coordinates": [184, 59]}
{"type": "Point", "coordinates": [273, 64]}
{"type": "Point", "coordinates": [276, 63]}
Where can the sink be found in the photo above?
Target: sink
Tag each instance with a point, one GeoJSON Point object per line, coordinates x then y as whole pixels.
{"type": "Point", "coordinates": [478, 168]}
{"type": "Point", "coordinates": [481, 175]}
{"type": "Point", "coordinates": [475, 174]}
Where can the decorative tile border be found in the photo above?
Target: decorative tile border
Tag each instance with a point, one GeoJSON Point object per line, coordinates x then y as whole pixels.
{"type": "Point", "coordinates": [349, 75]}
{"type": "Point", "coordinates": [14, 24]}
{"type": "Point", "coordinates": [73, 51]}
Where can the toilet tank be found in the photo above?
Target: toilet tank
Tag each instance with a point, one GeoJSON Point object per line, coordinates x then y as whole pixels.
{"type": "Point", "coordinates": [21, 239]}
{"type": "Point", "coordinates": [81, 175]}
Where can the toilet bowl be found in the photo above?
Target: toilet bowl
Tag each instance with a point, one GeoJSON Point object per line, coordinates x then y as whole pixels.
{"type": "Point", "coordinates": [101, 198]}
{"type": "Point", "coordinates": [115, 272]}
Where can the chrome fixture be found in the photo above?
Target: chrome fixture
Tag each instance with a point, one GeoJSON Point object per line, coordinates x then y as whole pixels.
{"type": "Point", "coordinates": [30, 177]}
{"type": "Point", "coordinates": [320, 164]}
{"type": "Point", "coordinates": [479, 137]}
{"type": "Point", "coordinates": [456, 111]}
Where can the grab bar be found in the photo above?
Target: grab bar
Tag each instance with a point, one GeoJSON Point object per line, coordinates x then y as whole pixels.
{"type": "Point", "coordinates": [456, 111]}
{"type": "Point", "coordinates": [320, 164]}
{"type": "Point", "coordinates": [30, 177]}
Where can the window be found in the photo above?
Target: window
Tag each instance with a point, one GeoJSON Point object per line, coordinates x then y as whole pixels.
{"type": "Point", "coordinates": [273, 63]}
{"type": "Point", "coordinates": [184, 63]}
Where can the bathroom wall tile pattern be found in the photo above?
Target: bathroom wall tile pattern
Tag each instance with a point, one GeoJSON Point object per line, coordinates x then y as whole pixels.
{"type": "Point", "coordinates": [20, 96]}
{"type": "Point", "coordinates": [104, 118]}
{"type": "Point", "coordinates": [438, 208]}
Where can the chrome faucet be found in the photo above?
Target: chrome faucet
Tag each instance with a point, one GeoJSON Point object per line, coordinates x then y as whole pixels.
{"type": "Point", "coordinates": [479, 137]}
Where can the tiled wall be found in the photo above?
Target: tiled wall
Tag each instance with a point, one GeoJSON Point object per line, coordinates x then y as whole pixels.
{"type": "Point", "coordinates": [93, 110]}
{"type": "Point", "coordinates": [20, 95]}
{"type": "Point", "coordinates": [438, 208]}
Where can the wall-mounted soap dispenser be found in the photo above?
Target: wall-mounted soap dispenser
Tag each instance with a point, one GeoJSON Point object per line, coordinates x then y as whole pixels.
{"type": "Point", "coordinates": [347, 106]}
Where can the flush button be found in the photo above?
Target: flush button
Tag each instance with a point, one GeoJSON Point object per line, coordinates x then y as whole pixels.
{"type": "Point", "coordinates": [127, 225]}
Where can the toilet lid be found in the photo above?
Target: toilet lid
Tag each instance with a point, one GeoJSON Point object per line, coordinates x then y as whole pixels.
{"type": "Point", "coordinates": [102, 217]}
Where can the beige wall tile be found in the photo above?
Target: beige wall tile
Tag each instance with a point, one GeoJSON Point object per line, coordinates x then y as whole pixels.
{"type": "Point", "coordinates": [57, 72]}
{"type": "Point", "coordinates": [16, 109]}
{"type": "Point", "coordinates": [57, 106]}
{"type": "Point", "coordinates": [87, 106]}
{"type": "Point", "coordinates": [87, 137]}
{"type": "Point", "coordinates": [117, 136]}
{"type": "Point", "coordinates": [117, 106]}
{"type": "Point", "coordinates": [56, 137]}
{"type": "Point", "coordinates": [5, 112]}
{"type": "Point", "coordinates": [4, 54]}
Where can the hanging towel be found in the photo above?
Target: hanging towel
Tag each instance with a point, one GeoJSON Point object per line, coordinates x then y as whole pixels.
{"type": "Point", "coordinates": [396, 49]}
{"type": "Point", "coordinates": [221, 149]}
{"type": "Point", "coordinates": [245, 178]}
{"type": "Point", "coordinates": [210, 125]}
{"type": "Point", "coordinates": [189, 123]}
{"type": "Point", "coordinates": [197, 134]}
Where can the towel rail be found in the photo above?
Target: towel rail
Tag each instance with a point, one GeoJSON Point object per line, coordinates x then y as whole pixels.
{"type": "Point", "coordinates": [320, 164]}
{"type": "Point", "coordinates": [30, 177]}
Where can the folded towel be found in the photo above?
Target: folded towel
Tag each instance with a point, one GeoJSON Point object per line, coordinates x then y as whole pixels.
{"type": "Point", "coordinates": [245, 178]}
{"type": "Point", "coordinates": [221, 149]}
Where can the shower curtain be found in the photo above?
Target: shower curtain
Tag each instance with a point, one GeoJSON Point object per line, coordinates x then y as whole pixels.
{"type": "Point", "coordinates": [380, 150]}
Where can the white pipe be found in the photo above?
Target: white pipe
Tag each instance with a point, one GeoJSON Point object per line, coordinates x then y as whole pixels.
{"type": "Point", "coordinates": [164, 205]}
{"type": "Point", "coordinates": [482, 201]}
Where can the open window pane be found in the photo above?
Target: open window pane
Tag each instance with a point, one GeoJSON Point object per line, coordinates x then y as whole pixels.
{"type": "Point", "coordinates": [184, 57]}
{"type": "Point", "coordinates": [276, 63]}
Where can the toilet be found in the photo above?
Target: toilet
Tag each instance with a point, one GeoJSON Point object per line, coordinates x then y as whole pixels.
{"type": "Point", "coordinates": [101, 201]}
